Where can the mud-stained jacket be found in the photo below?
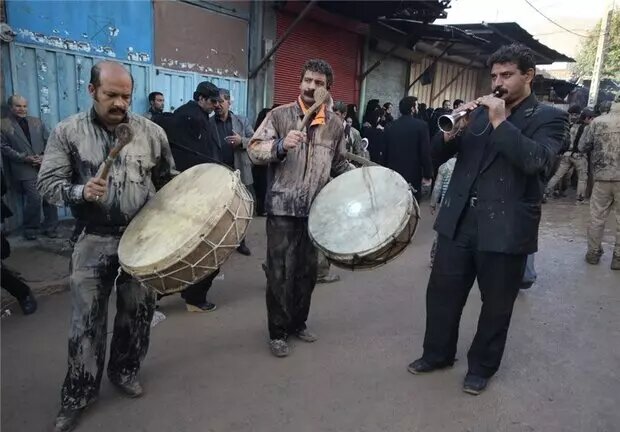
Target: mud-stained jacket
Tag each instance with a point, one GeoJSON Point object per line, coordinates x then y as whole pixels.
{"type": "Point", "coordinates": [297, 176]}
{"type": "Point", "coordinates": [75, 152]}
{"type": "Point", "coordinates": [602, 139]}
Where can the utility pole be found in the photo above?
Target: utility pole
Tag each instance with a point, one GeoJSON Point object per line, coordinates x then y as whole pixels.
{"type": "Point", "coordinates": [603, 44]}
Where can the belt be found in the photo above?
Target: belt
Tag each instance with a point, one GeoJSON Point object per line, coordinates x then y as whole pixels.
{"type": "Point", "coordinates": [104, 230]}
{"type": "Point", "coordinates": [473, 201]}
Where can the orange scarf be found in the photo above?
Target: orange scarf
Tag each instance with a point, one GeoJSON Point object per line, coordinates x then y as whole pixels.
{"type": "Point", "coordinates": [319, 117]}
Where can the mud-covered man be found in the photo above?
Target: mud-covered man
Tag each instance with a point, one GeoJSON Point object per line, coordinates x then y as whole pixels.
{"type": "Point", "coordinates": [73, 159]}
{"type": "Point", "coordinates": [300, 164]}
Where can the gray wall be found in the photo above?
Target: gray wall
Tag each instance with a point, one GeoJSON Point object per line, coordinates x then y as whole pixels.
{"type": "Point", "coordinates": [387, 81]}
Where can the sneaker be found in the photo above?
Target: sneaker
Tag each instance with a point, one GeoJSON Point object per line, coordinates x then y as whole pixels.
{"type": "Point", "coordinates": [615, 262]}
{"type": "Point", "coordinates": [67, 419]}
{"type": "Point", "coordinates": [421, 366]}
{"type": "Point", "coordinates": [279, 347]}
{"type": "Point", "coordinates": [28, 304]}
{"type": "Point", "coordinates": [203, 307]}
{"type": "Point", "coordinates": [593, 257]}
{"type": "Point", "coordinates": [474, 384]}
{"type": "Point", "coordinates": [328, 279]}
{"type": "Point", "coordinates": [307, 336]}
{"type": "Point", "coordinates": [131, 389]}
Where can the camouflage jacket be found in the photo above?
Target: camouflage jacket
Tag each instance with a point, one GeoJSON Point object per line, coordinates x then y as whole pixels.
{"type": "Point", "coordinates": [297, 176]}
{"type": "Point", "coordinates": [75, 152]}
{"type": "Point", "coordinates": [602, 139]}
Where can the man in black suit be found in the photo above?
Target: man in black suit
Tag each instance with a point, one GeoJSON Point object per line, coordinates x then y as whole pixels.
{"type": "Point", "coordinates": [488, 221]}
{"type": "Point", "coordinates": [407, 147]}
{"type": "Point", "coordinates": [192, 142]}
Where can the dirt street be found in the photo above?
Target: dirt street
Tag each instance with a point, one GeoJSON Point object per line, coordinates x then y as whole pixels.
{"type": "Point", "coordinates": [214, 373]}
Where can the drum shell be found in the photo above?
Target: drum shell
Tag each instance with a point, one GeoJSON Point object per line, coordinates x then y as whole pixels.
{"type": "Point", "coordinates": [200, 256]}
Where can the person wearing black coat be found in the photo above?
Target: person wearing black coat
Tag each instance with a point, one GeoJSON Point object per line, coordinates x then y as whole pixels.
{"type": "Point", "coordinates": [407, 147]}
{"type": "Point", "coordinates": [488, 221]}
{"type": "Point", "coordinates": [375, 134]}
{"type": "Point", "coordinates": [192, 141]}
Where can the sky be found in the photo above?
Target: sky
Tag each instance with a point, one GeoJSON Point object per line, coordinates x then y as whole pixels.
{"type": "Point", "coordinates": [576, 15]}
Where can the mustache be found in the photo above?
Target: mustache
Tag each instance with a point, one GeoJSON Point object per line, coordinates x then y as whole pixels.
{"type": "Point", "coordinates": [117, 111]}
{"type": "Point", "coordinates": [499, 91]}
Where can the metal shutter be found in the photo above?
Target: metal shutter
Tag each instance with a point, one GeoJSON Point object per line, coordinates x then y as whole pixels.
{"type": "Point", "coordinates": [311, 39]}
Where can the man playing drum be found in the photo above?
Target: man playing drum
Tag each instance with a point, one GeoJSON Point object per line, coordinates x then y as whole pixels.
{"type": "Point", "coordinates": [300, 164]}
{"type": "Point", "coordinates": [69, 174]}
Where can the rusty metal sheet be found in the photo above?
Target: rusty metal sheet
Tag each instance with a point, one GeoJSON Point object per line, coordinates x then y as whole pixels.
{"type": "Point", "coordinates": [193, 39]}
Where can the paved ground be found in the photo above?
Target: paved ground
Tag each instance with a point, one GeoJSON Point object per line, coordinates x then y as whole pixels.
{"type": "Point", "coordinates": [213, 373]}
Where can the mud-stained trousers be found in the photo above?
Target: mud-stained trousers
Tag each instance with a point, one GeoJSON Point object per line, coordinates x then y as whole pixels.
{"type": "Point", "coordinates": [605, 197]}
{"type": "Point", "coordinates": [568, 161]}
{"type": "Point", "coordinates": [291, 275]}
{"type": "Point", "coordinates": [94, 267]}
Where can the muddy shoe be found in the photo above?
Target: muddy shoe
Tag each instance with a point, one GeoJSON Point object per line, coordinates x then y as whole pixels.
{"type": "Point", "coordinates": [307, 336]}
{"type": "Point", "coordinates": [203, 307]}
{"type": "Point", "coordinates": [67, 419]}
{"type": "Point", "coordinates": [593, 257]}
{"type": "Point", "coordinates": [28, 304]}
{"type": "Point", "coordinates": [421, 366]}
{"type": "Point", "coordinates": [615, 262]}
{"type": "Point", "coordinates": [131, 389]}
{"type": "Point", "coordinates": [474, 384]}
{"type": "Point", "coordinates": [328, 279]}
{"type": "Point", "coordinates": [279, 347]}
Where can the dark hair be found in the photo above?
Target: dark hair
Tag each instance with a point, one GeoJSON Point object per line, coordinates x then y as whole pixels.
{"type": "Point", "coordinates": [319, 66]}
{"type": "Point", "coordinates": [153, 95]}
{"type": "Point", "coordinates": [406, 105]}
{"type": "Point", "coordinates": [95, 73]}
{"type": "Point", "coordinates": [444, 102]}
{"type": "Point", "coordinates": [387, 105]}
{"type": "Point", "coordinates": [587, 113]}
{"type": "Point", "coordinates": [261, 116]}
{"type": "Point", "coordinates": [12, 98]}
{"type": "Point", "coordinates": [574, 109]}
{"type": "Point", "coordinates": [225, 94]}
{"type": "Point", "coordinates": [515, 53]}
{"type": "Point", "coordinates": [375, 116]}
{"type": "Point", "coordinates": [457, 102]}
{"type": "Point", "coordinates": [340, 107]}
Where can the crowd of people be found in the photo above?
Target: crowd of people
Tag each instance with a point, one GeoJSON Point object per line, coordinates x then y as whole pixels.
{"type": "Point", "coordinates": [490, 177]}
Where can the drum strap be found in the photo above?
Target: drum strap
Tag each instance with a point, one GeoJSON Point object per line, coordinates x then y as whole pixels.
{"type": "Point", "coordinates": [118, 274]}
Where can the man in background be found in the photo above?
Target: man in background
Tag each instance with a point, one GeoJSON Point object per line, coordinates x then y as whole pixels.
{"type": "Point", "coordinates": [156, 102]}
{"type": "Point", "coordinates": [23, 141]}
{"type": "Point", "coordinates": [407, 147]}
{"type": "Point", "coordinates": [232, 134]}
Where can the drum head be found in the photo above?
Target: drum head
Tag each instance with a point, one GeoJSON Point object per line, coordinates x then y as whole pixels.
{"type": "Point", "coordinates": [360, 212]}
{"type": "Point", "coordinates": [172, 223]}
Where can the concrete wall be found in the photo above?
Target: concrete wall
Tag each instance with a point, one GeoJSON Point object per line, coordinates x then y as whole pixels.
{"type": "Point", "coordinates": [387, 81]}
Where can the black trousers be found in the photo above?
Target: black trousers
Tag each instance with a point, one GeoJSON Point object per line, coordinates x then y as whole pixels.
{"type": "Point", "coordinates": [291, 275]}
{"type": "Point", "coordinates": [457, 264]}
{"type": "Point", "coordinates": [196, 294]}
{"type": "Point", "coordinates": [14, 285]}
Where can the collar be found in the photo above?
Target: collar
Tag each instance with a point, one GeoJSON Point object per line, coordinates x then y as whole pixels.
{"type": "Point", "coordinates": [528, 104]}
{"type": "Point", "coordinates": [319, 118]}
{"type": "Point", "coordinates": [228, 119]}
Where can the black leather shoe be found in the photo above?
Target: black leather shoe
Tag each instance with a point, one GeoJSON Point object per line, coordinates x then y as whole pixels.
{"type": "Point", "coordinates": [474, 384]}
{"type": "Point", "coordinates": [131, 389]}
{"type": "Point", "coordinates": [421, 366]}
{"type": "Point", "coordinates": [244, 250]}
{"type": "Point", "coordinates": [67, 419]}
{"type": "Point", "coordinates": [28, 304]}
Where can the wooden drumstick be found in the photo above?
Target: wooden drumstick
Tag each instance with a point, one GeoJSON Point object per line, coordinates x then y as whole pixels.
{"type": "Point", "coordinates": [360, 160]}
{"type": "Point", "coordinates": [124, 135]}
{"type": "Point", "coordinates": [320, 96]}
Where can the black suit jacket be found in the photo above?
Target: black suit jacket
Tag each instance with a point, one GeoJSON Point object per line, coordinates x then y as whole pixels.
{"type": "Point", "coordinates": [407, 149]}
{"type": "Point", "coordinates": [510, 174]}
{"type": "Point", "coordinates": [190, 136]}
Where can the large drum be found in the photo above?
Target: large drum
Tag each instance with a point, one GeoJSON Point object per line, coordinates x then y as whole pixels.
{"type": "Point", "coordinates": [364, 218]}
{"type": "Point", "coordinates": [188, 229]}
